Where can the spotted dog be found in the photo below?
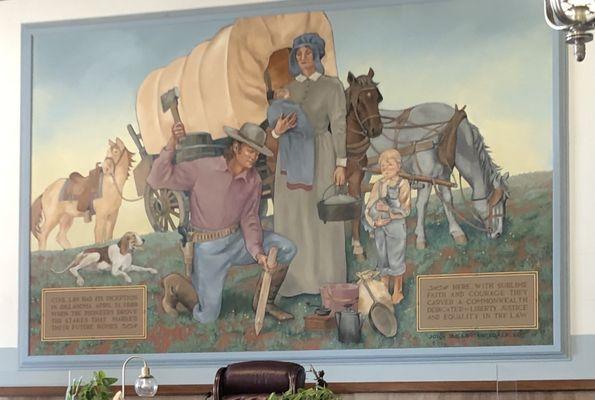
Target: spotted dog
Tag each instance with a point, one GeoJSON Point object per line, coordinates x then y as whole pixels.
{"type": "Point", "coordinates": [116, 258]}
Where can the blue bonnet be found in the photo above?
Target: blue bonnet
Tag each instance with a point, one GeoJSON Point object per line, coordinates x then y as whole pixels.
{"type": "Point", "coordinates": [315, 43]}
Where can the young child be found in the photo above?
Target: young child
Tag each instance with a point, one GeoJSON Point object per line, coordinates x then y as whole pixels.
{"type": "Point", "coordinates": [386, 209]}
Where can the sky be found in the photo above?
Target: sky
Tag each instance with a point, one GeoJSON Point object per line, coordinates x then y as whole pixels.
{"type": "Point", "coordinates": [495, 57]}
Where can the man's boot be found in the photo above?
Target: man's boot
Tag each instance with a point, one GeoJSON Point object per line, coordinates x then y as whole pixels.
{"type": "Point", "coordinates": [276, 280]}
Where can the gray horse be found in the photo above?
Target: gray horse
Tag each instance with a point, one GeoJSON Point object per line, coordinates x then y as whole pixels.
{"type": "Point", "coordinates": [417, 133]}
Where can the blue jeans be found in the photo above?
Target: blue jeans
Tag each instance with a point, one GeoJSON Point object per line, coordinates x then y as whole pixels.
{"type": "Point", "coordinates": [391, 243]}
{"type": "Point", "coordinates": [213, 259]}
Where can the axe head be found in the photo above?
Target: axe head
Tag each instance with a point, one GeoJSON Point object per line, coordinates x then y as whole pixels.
{"type": "Point", "coordinates": [170, 98]}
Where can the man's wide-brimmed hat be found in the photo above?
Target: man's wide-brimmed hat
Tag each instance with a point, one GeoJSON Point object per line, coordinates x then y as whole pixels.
{"type": "Point", "coordinates": [251, 134]}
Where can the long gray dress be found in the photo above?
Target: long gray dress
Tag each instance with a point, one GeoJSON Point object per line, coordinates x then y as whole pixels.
{"type": "Point", "coordinates": [320, 257]}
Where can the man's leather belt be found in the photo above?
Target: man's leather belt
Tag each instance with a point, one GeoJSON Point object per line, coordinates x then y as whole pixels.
{"type": "Point", "coordinates": [197, 235]}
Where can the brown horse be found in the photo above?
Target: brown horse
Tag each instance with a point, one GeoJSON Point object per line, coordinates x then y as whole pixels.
{"type": "Point", "coordinates": [48, 210]}
{"type": "Point", "coordinates": [363, 123]}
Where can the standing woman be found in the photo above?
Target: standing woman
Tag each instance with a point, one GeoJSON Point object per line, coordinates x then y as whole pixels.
{"type": "Point", "coordinates": [321, 247]}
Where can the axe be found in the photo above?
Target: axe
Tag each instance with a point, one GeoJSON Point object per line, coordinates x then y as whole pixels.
{"type": "Point", "coordinates": [265, 288]}
{"type": "Point", "coordinates": [169, 101]}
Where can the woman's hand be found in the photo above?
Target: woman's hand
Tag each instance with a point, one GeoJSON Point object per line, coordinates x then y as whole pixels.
{"type": "Point", "coordinates": [339, 176]}
{"type": "Point", "coordinates": [285, 122]}
{"type": "Point", "coordinates": [177, 132]}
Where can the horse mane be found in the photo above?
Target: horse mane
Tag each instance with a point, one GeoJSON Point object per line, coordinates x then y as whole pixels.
{"type": "Point", "coordinates": [131, 160]}
{"type": "Point", "coordinates": [490, 170]}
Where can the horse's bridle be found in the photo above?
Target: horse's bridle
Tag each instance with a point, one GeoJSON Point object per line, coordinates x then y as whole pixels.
{"type": "Point", "coordinates": [113, 176]}
{"type": "Point", "coordinates": [496, 196]}
{"type": "Point", "coordinates": [115, 163]}
{"type": "Point", "coordinates": [354, 104]}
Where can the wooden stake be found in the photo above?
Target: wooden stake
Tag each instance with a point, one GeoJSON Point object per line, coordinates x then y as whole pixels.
{"type": "Point", "coordinates": [265, 288]}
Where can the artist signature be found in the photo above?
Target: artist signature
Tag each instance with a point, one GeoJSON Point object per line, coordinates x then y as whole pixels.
{"type": "Point", "coordinates": [462, 335]}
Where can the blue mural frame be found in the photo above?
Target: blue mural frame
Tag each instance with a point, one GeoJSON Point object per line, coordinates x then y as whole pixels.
{"type": "Point", "coordinates": [558, 350]}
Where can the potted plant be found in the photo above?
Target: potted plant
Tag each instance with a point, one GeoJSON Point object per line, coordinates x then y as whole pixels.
{"type": "Point", "coordinates": [319, 392]}
{"type": "Point", "coordinates": [98, 388]}
{"type": "Point", "coordinates": [313, 393]}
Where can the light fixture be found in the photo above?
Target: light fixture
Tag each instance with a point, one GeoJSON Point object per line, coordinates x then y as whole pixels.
{"type": "Point", "coordinates": [145, 385]}
{"type": "Point", "coordinates": [576, 17]}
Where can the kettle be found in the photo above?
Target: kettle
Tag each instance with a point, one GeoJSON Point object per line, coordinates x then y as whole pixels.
{"type": "Point", "coordinates": [349, 326]}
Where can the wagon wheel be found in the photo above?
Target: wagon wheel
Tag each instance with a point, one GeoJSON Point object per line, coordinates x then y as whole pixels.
{"type": "Point", "coordinates": [166, 209]}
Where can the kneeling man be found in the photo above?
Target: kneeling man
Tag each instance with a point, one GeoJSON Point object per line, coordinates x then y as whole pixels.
{"type": "Point", "coordinates": [224, 201]}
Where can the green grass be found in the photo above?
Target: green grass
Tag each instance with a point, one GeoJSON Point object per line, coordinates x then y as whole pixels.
{"type": "Point", "coordinates": [526, 245]}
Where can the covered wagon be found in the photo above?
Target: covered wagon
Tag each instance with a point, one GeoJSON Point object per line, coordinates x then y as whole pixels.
{"type": "Point", "coordinates": [222, 82]}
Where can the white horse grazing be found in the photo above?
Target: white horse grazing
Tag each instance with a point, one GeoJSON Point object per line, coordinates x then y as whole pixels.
{"type": "Point", "coordinates": [48, 210]}
{"type": "Point", "coordinates": [417, 137]}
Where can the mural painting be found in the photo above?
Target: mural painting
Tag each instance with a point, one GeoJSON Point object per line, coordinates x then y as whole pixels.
{"type": "Point", "coordinates": [279, 182]}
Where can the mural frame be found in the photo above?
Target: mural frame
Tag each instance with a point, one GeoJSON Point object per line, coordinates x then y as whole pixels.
{"type": "Point", "coordinates": [558, 350]}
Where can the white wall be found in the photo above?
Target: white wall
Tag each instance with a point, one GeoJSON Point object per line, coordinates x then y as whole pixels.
{"type": "Point", "coordinates": [582, 194]}
{"type": "Point", "coordinates": [582, 216]}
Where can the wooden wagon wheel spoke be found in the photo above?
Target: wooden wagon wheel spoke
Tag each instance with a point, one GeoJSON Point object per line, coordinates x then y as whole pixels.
{"type": "Point", "coordinates": [153, 198]}
{"type": "Point", "coordinates": [166, 209]}
{"type": "Point", "coordinates": [163, 199]}
{"type": "Point", "coordinates": [173, 200]}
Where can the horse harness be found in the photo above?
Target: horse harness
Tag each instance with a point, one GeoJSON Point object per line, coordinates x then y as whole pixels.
{"type": "Point", "coordinates": [493, 199]}
{"type": "Point", "coordinates": [445, 131]}
{"type": "Point", "coordinates": [358, 150]}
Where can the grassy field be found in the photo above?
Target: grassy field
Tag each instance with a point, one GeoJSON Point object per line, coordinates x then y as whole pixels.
{"type": "Point", "coordinates": [526, 245]}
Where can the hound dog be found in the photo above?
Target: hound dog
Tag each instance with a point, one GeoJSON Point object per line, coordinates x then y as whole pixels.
{"type": "Point", "coordinates": [116, 257]}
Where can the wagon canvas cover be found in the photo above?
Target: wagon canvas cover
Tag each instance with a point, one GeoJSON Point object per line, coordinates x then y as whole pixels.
{"type": "Point", "coordinates": [221, 81]}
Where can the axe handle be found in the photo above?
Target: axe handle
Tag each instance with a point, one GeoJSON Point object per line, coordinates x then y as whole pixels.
{"type": "Point", "coordinates": [174, 112]}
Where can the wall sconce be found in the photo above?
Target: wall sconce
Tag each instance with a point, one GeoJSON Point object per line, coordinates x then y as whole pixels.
{"type": "Point", "coordinates": [577, 17]}
{"type": "Point", "coordinates": [145, 385]}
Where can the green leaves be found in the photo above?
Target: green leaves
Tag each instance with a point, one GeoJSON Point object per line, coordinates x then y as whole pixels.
{"type": "Point", "coordinates": [314, 393]}
{"type": "Point", "coordinates": [98, 388]}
